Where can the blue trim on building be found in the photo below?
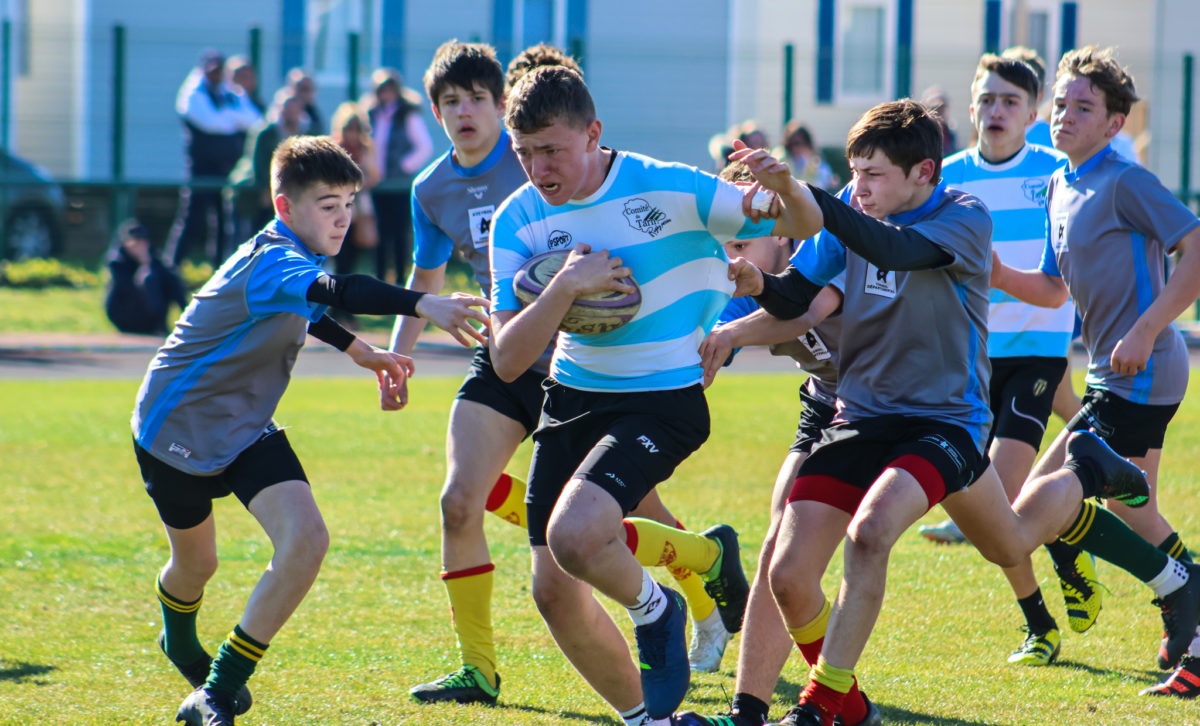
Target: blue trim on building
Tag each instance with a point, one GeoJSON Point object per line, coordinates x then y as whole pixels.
{"type": "Point", "coordinates": [825, 49]}
{"type": "Point", "coordinates": [577, 15]}
{"type": "Point", "coordinates": [391, 45]}
{"type": "Point", "coordinates": [904, 37]}
{"type": "Point", "coordinates": [991, 26]}
{"type": "Point", "coordinates": [1070, 22]}
{"type": "Point", "coordinates": [291, 52]}
{"type": "Point", "coordinates": [502, 29]}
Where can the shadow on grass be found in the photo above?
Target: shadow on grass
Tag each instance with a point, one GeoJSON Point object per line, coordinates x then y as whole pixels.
{"type": "Point", "coordinates": [590, 718]}
{"type": "Point", "coordinates": [19, 672]}
{"type": "Point", "coordinates": [893, 714]}
{"type": "Point", "coordinates": [1141, 674]}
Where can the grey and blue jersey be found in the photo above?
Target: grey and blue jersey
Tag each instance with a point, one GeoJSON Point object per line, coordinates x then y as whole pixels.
{"type": "Point", "coordinates": [453, 207]}
{"type": "Point", "coordinates": [1111, 222]}
{"type": "Point", "coordinates": [1015, 194]}
{"type": "Point", "coordinates": [667, 222]}
{"type": "Point", "coordinates": [212, 388]}
{"type": "Point", "coordinates": [914, 342]}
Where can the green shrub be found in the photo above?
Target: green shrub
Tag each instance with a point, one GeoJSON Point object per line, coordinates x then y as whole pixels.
{"type": "Point", "coordinates": [39, 273]}
{"type": "Point", "coordinates": [194, 276]}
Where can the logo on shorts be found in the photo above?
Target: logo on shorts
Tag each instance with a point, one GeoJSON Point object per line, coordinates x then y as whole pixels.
{"type": "Point", "coordinates": [615, 478]}
{"type": "Point", "coordinates": [645, 441]}
{"type": "Point", "coordinates": [559, 238]}
{"type": "Point", "coordinates": [948, 449]}
{"type": "Point", "coordinates": [644, 217]}
{"type": "Point", "coordinates": [1035, 191]}
{"type": "Point", "coordinates": [1101, 429]}
{"type": "Point", "coordinates": [181, 450]}
{"type": "Point", "coordinates": [1039, 387]}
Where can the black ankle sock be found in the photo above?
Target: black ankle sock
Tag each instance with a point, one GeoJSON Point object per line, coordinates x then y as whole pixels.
{"type": "Point", "coordinates": [751, 707]}
{"type": "Point", "coordinates": [1037, 617]}
{"type": "Point", "coordinates": [1089, 475]}
{"type": "Point", "coordinates": [1063, 555]}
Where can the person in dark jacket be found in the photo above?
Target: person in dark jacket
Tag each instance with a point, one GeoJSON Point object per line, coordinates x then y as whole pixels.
{"type": "Point", "coordinates": [142, 287]}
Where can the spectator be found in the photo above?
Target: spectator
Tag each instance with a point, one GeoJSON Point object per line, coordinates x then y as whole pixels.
{"type": "Point", "coordinates": [351, 130]}
{"type": "Point", "coordinates": [937, 101]}
{"type": "Point", "coordinates": [806, 162]}
{"type": "Point", "coordinates": [751, 135]}
{"type": "Point", "coordinates": [243, 75]}
{"type": "Point", "coordinates": [720, 146]}
{"type": "Point", "coordinates": [142, 287]}
{"type": "Point", "coordinates": [216, 116]}
{"type": "Point", "coordinates": [251, 178]}
{"type": "Point", "coordinates": [402, 147]}
{"type": "Point", "coordinates": [305, 88]}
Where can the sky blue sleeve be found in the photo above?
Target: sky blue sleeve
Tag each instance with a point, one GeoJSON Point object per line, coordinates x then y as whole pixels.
{"type": "Point", "coordinates": [738, 307]}
{"type": "Point", "coordinates": [432, 247]}
{"type": "Point", "coordinates": [279, 283]}
{"type": "Point", "coordinates": [820, 258]}
{"type": "Point", "coordinates": [508, 253]}
{"type": "Point", "coordinates": [1049, 263]}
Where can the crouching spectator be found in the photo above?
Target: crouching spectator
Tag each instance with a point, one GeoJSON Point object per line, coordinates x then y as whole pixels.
{"type": "Point", "coordinates": [142, 287]}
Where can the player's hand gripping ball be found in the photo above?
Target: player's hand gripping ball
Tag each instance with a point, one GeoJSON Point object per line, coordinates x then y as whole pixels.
{"type": "Point", "coordinates": [590, 314]}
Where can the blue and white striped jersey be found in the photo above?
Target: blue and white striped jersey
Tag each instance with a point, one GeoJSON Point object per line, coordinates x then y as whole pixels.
{"type": "Point", "coordinates": [667, 222]}
{"type": "Point", "coordinates": [1015, 194]}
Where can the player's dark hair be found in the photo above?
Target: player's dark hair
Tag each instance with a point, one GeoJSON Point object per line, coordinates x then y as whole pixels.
{"type": "Point", "coordinates": [1015, 71]}
{"type": "Point", "coordinates": [548, 95]}
{"type": "Point", "coordinates": [1106, 75]}
{"type": "Point", "coordinates": [465, 65]}
{"type": "Point", "coordinates": [736, 171]}
{"type": "Point", "coordinates": [536, 56]}
{"type": "Point", "coordinates": [905, 131]}
{"type": "Point", "coordinates": [1031, 58]}
{"type": "Point", "coordinates": [299, 162]}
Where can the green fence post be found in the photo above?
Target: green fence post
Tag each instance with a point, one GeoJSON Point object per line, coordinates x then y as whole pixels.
{"type": "Point", "coordinates": [256, 49]}
{"type": "Point", "coordinates": [789, 75]}
{"type": "Point", "coordinates": [352, 62]}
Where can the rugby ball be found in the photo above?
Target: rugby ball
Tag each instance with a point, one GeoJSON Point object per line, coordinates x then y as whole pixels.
{"type": "Point", "coordinates": [589, 314]}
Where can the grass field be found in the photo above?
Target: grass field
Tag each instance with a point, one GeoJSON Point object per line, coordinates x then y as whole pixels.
{"type": "Point", "coordinates": [80, 545]}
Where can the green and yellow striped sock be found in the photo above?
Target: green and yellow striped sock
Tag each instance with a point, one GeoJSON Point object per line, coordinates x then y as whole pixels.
{"type": "Point", "coordinates": [1103, 534]}
{"type": "Point", "coordinates": [1173, 546]}
{"type": "Point", "coordinates": [179, 626]}
{"type": "Point", "coordinates": [235, 662]}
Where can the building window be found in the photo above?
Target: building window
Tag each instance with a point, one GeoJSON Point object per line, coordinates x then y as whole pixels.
{"type": "Point", "coordinates": [540, 21]}
{"type": "Point", "coordinates": [330, 23]}
{"type": "Point", "coordinates": [865, 50]}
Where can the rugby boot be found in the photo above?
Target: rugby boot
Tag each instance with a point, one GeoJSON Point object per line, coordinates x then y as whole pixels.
{"type": "Point", "coordinates": [726, 581]}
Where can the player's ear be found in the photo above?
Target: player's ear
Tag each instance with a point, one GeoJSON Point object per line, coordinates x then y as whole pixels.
{"type": "Point", "coordinates": [436, 114]}
{"type": "Point", "coordinates": [283, 207]}
{"type": "Point", "coordinates": [593, 134]}
{"type": "Point", "coordinates": [923, 172]}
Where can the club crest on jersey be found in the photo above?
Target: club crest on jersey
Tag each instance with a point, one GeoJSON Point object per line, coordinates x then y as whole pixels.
{"type": "Point", "coordinates": [478, 191]}
{"type": "Point", "coordinates": [1035, 191]}
{"type": "Point", "coordinates": [559, 239]}
{"type": "Point", "coordinates": [644, 217]}
{"type": "Point", "coordinates": [880, 282]}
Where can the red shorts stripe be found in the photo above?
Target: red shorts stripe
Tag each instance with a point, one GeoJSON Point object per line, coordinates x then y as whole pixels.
{"type": "Point", "coordinates": [480, 570]}
{"type": "Point", "coordinates": [926, 475]}
{"type": "Point", "coordinates": [499, 492]}
{"type": "Point", "coordinates": [631, 536]}
{"type": "Point", "coordinates": [827, 490]}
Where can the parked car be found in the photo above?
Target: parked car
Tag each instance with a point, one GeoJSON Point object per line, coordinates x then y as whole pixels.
{"type": "Point", "coordinates": [32, 208]}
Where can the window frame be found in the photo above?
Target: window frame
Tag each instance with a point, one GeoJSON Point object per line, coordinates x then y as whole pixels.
{"type": "Point", "coordinates": [888, 79]}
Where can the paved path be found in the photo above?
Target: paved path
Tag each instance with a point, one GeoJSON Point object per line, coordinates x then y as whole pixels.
{"type": "Point", "coordinates": [126, 356]}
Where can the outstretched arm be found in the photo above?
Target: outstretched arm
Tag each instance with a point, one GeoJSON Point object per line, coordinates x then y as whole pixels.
{"type": "Point", "coordinates": [1032, 286]}
{"type": "Point", "coordinates": [796, 214]}
{"type": "Point", "coordinates": [392, 369]}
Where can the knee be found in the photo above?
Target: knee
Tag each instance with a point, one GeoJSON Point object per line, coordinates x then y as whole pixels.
{"type": "Point", "coordinates": [551, 601]}
{"type": "Point", "coordinates": [1002, 552]}
{"type": "Point", "coordinates": [197, 567]}
{"type": "Point", "coordinates": [793, 585]}
{"type": "Point", "coordinates": [867, 538]}
{"type": "Point", "coordinates": [459, 509]}
{"type": "Point", "coordinates": [304, 544]}
{"type": "Point", "coordinates": [571, 551]}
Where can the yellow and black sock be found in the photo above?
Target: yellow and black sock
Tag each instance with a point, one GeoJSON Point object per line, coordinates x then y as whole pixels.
{"type": "Point", "coordinates": [235, 662]}
{"type": "Point", "coordinates": [470, 593]}
{"type": "Point", "coordinates": [179, 627]}
{"type": "Point", "coordinates": [1102, 533]}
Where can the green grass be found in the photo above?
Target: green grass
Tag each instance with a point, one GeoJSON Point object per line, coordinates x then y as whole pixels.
{"type": "Point", "coordinates": [80, 544]}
